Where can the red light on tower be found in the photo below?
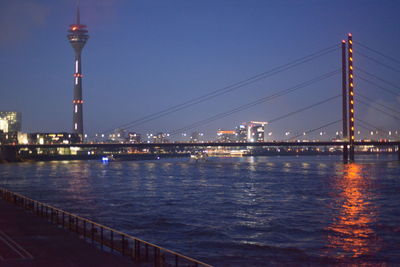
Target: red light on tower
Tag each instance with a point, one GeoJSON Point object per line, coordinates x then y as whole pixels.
{"type": "Point", "coordinates": [350, 35]}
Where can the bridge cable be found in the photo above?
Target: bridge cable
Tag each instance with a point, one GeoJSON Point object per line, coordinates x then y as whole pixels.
{"type": "Point", "coordinates": [377, 109]}
{"type": "Point", "coordinates": [378, 86]}
{"type": "Point", "coordinates": [256, 102]}
{"type": "Point", "coordinates": [373, 126]}
{"type": "Point", "coordinates": [377, 52]}
{"type": "Point", "coordinates": [377, 61]}
{"type": "Point", "coordinates": [379, 104]}
{"type": "Point", "coordinates": [378, 78]}
{"type": "Point", "coordinates": [228, 88]}
{"type": "Point", "coordinates": [303, 109]}
{"type": "Point", "coordinates": [313, 130]}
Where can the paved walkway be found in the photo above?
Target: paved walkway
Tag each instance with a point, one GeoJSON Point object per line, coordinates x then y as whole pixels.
{"type": "Point", "coordinates": [28, 240]}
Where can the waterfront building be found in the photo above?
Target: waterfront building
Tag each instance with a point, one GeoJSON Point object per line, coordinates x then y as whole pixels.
{"type": "Point", "coordinates": [8, 138]}
{"type": "Point", "coordinates": [241, 132]}
{"type": "Point", "coordinates": [77, 36]}
{"type": "Point", "coordinates": [118, 135]}
{"type": "Point", "coordinates": [53, 138]}
{"type": "Point", "coordinates": [134, 138]}
{"type": "Point", "coordinates": [195, 137]}
{"type": "Point", "coordinates": [226, 136]}
{"type": "Point", "coordinates": [161, 138]}
{"type": "Point", "coordinates": [256, 131]}
{"type": "Point", "coordinates": [10, 121]}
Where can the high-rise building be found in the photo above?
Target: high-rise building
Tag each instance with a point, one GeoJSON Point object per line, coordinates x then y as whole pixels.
{"type": "Point", "coordinates": [77, 36]}
{"type": "Point", "coordinates": [10, 121]}
{"type": "Point", "coordinates": [241, 132]}
{"type": "Point", "coordinates": [226, 136]}
{"type": "Point", "coordinates": [256, 131]}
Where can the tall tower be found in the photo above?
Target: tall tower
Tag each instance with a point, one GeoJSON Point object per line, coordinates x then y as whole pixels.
{"type": "Point", "coordinates": [77, 36]}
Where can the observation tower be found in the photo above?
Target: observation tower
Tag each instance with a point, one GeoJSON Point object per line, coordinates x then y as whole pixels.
{"type": "Point", "coordinates": [77, 36]}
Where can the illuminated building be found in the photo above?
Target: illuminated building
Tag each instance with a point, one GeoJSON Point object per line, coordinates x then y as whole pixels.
{"type": "Point", "coordinates": [53, 138]}
{"type": "Point", "coordinates": [241, 132]}
{"type": "Point", "coordinates": [8, 138]}
{"type": "Point", "coordinates": [77, 37]}
{"type": "Point", "coordinates": [134, 138]}
{"type": "Point", "coordinates": [158, 138]}
{"type": "Point", "coordinates": [256, 131]}
{"type": "Point", "coordinates": [226, 136]}
{"type": "Point", "coordinates": [118, 135]}
{"type": "Point", "coordinates": [10, 121]}
{"type": "Point", "coordinates": [161, 138]}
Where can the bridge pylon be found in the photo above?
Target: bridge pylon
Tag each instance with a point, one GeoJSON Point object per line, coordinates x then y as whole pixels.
{"type": "Point", "coordinates": [344, 103]}
{"type": "Point", "coordinates": [351, 96]}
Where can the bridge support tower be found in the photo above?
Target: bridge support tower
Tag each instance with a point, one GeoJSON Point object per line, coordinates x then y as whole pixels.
{"type": "Point", "coordinates": [344, 103]}
{"type": "Point", "coordinates": [351, 96]}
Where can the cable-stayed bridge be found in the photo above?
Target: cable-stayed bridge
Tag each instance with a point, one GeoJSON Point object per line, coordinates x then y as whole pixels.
{"type": "Point", "coordinates": [349, 113]}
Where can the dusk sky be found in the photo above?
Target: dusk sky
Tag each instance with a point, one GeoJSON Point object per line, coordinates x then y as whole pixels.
{"type": "Point", "coordinates": [145, 56]}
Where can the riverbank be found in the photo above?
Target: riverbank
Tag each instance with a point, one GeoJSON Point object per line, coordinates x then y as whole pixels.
{"type": "Point", "coordinates": [28, 240]}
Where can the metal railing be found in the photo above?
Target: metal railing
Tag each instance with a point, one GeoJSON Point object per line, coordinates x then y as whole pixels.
{"type": "Point", "coordinates": [102, 236]}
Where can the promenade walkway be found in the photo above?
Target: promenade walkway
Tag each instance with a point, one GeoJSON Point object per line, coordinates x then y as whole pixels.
{"type": "Point", "coordinates": [28, 240]}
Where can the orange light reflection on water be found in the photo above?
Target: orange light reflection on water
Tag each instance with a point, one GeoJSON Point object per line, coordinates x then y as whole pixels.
{"type": "Point", "coordinates": [351, 235]}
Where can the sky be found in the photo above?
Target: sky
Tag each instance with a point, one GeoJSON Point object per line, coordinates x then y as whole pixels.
{"type": "Point", "coordinates": [148, 55]}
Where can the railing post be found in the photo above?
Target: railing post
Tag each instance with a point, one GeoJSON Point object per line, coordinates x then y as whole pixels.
{"type": "Point", "coordinates": [123, 245]}
{"type": "Point", "coordinates": [155, 257]}
{"type": "Point", "coordinates": [92, 233]}
{"type": "Point", "coordinates": [138, 250]}
{"type": "Point", "coordinates": [101, 237]}
{"type": "Point", "coordinates": [112, 240]}
{"type": "Point", "coordinates": [84, 229]}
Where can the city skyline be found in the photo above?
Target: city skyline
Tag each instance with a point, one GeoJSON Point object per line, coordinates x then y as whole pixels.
{"type": "Point", "coordinates": [150, 56]}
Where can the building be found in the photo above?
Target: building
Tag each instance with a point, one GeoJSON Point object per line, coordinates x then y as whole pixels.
{"type": "Point", "coordinates": [53, 138]}
{"type": "Point", "coordinates": [256, 131]}
{"type": "Point", "coordinates": [10, 121]}
{"type": "Point", "coordinates": [134, 138]}
{"type": "Point", "coordinates": [241, 133]}
{"type": "Point", "coordinates": [8, 138]}
{"type": "Point", "coordinates": [161, 138]}
{"type": "Point", "coordinates": [226, 136]}
{"type": "Point", "coordinates": [118, 135]}
{"type": "Point", "coordinates": [195, 137]}
{"type": "Point", "coordinates": [77, 36]}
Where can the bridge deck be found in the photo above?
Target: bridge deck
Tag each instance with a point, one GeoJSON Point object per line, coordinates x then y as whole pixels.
{"type": "Point", "coordinates": [206, 144]}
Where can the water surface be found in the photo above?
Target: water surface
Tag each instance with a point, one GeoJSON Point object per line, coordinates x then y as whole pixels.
{"type": "Point", "coordinates": [250, 211]}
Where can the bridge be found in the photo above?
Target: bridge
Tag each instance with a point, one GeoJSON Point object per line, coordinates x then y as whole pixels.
{"type": "Point", "coordinates": [347, 142]}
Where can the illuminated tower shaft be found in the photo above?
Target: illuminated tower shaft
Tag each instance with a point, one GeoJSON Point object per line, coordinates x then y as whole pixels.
{"type": "Point", "coordinates": [77, 37]}
{"type": "Point", "coordinates": [351, 97]}
{"type": "Point", "coordinates": [344, 102]}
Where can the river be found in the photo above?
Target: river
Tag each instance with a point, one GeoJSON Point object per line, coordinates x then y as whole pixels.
{"type": "Point", "coordinates": [249, 211]}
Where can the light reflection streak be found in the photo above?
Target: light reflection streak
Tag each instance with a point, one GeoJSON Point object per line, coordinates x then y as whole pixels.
{"type": "Point", "coordinates": [351, 234]}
